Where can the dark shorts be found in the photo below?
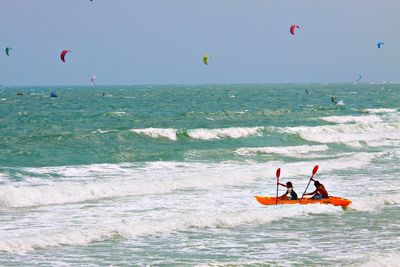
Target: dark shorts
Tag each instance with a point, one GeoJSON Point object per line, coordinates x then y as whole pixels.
{"type": "Point", "coordinates": [317, 196]}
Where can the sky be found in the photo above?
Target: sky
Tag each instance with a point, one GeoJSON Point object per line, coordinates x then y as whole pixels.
{"type": "Point", "coordinates": [163, 41]}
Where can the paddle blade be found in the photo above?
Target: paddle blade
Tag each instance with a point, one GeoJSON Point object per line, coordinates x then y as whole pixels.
{"type": "Point", "coordinates": [314, 171]}
{"type": "Point", "coordinates": [278, 172]}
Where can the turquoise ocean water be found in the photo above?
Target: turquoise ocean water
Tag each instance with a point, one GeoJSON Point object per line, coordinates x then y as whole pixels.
{"type": "Point", "coordinates": [166, 175]}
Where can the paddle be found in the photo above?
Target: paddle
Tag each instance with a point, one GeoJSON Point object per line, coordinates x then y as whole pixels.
{"type": "Point", "coordinates": [278, 173]}
{"type": "Point", "coordinates": [313, 172]}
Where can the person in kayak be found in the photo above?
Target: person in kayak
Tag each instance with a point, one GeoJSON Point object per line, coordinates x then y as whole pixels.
{"type": "Point", "coordinates": [290, 193]}
{"type": "Point", "coordinates": [319, 192]}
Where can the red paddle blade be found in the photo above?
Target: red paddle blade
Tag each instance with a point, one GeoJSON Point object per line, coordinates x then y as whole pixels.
{"type": "Point", "coordinates": [278, 172]}
{"type": "Point", "coordinates": [315, 169]}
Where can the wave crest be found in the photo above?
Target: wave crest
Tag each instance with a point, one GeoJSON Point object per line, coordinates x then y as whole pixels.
{"type": "Point", "coordinates": [356, 119]}
{"type": "Point", "coordinates": [348, 134]}
{"type": "Point", "coordinates": [234, 132]}
{"type": "Point", "coordinates": [380, 110]}
{"type": "Point", "coordinates": [287, 150]}
{"type": "Point", "coordinates": [201, 134]}
{"type": "Point", "coordinates": [167, 133]}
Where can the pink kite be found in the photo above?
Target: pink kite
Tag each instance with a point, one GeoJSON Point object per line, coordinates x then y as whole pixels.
{"type": "Point", "coordinates": [293, 28]}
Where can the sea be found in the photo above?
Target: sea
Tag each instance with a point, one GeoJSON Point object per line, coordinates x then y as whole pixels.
{"type": "Point", "coordinates": [165, 175]}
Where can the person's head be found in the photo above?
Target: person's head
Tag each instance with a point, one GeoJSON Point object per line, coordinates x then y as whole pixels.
{"type": "Point", "coordinates": [289, 184]}
{"type": "Point", "coordinates": [316, 183]}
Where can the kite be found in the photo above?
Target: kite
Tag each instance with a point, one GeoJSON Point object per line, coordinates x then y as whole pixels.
{"type": "Point", "coordinates": [63, 53]}
{"type": "Point", "coordinates": [293, 28]}
{"type": "Point", "coordinates": [8, 49]}
{"type": "Point", "coordinates": [205, 59]}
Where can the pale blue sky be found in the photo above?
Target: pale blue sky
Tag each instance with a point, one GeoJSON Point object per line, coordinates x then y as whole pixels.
{"type": "Point", "coordinates": [163, 41]}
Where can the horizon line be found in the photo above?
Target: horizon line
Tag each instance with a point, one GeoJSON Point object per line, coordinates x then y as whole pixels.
{"type": "Point", "coordinates": [197, 84]}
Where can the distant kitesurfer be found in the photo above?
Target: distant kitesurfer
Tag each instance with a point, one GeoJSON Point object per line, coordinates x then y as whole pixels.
{"type": "Point", "coordinates": [333, 99]}
{"type": "Point", "coordinates": [319, 192]}
{"type": "Point", "coordinates": [20, 93]}
{"type": "Point", "coordinates": [52, 94]}
{"type": "Point", "coordinates": [306, 91]}
{"type": "Point", "coordinates": [290, 193]}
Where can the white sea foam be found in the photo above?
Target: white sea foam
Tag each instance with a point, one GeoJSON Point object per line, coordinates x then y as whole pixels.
{"type": "Point", "coordinates": [383, 143]}
{"type": "Point", "coordinates": [119, 181]}
{"type": "Point", "coordinates": [375, 202]}
{"type": "Point", "coordinates": [81, 172]}
{"type": "Point", "coordinates": [380, 110]}
{"type": "Point", "coordinates": [234, 132]}
{"type": "Point", "coordinates": [118, 113]}
{"type": "Point", "coordinates": [76, 184]}
{"type": "Point", "coordinates": [115, 113]}
{"type": "Point", "coordinates": [355, 161]}
{"type": "Point", "coordinates": [68, 192]}
{"type": "Point", "coordinates": [3, 177]}
{"type": "Point", "coordinates": [59, 235]}
{"type": "Point", "coordinates": [347, 119]}
{"type": "Point", "coordinates": [349, 134]}
{"type": "Point", "coordinates": [168, 133]}
{"type": "Point", "coordinates": [103, 131]}
{"type": "Point", "coordinates": [287, 151]}
{"type": "Point", "coordinates": [382, 260]}
{"type": "Point", "coordinates": [101, 201]}
{"type": "Point", "coordinates": [159, 198]}
{"type": "Point", "coordinates": [202, 134]}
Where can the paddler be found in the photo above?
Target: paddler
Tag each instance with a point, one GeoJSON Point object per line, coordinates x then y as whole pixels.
{"type": "Point", "coordinates": [290, 193]}
{"type": "Point", "coordinates": [319, 192]}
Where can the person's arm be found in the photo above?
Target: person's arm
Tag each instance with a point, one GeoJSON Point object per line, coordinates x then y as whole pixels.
{"type": "Point", "coordinates": [312, 193]}
{"type": "Point", "coordinates": [282, 184]}
{"type": "Point", "coordinates": [284, 195]}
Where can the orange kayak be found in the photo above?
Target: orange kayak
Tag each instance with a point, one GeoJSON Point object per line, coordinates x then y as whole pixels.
{"type": "Point", "coordinates": [337, 201]}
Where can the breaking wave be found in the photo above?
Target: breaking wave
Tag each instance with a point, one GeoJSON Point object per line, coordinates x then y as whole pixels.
{"type": "Point", "coordinates": [354, 134]}
{"type": "Point", "coordinates": [287, 151]}
{"type": "Point", "coordinates": [59, 236]}
{"type": "Point", "coordinates": [201, 134]}
{"type": "Point", "coordinates": [238, 132]}
{"type": "Point", "coordinates": [167, 133]}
